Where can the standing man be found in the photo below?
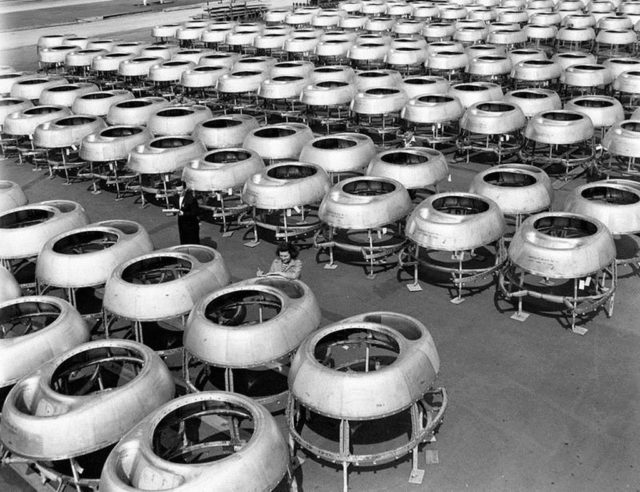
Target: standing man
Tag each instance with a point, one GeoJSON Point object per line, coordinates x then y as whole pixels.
{"type": "Point", "coordinates": [188, 215]}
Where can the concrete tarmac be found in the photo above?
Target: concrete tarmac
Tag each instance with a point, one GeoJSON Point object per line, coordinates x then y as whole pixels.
{"type": "Point", "coordinates": [532, 406]}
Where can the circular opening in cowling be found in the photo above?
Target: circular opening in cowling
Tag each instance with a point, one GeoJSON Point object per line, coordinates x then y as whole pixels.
{"type": "Point", "coordinates": [116, 55]}
{"type": "Point", "coordinates": [571, 56]}
{"type": "Point", "coordinates": [492, 58]}
{"type": "Point", "coordinates": [215, 56]}
{"type": "Point", "coordinates": [207, 69]}
{"type": "Point", "coordinates": [633, 73]}
{"type": "Point", "coordinates": [90, 51]}
{"type": "Point", "coordinates": [24, 218]}
{"type": "Point", "coordinates": [368, 187]}
{"type": "Point", "coordinates": [221, 123]}
{"type": "Point", "coordinates": [509, 179]}
{"type": "Point", "coordinates": [495, 107]}
{"type": "Point", "coordinates": [371, 45]}
{"type": "Point", "coordinates": [610, 195]}
{"type": "Point", "coordinates": [565, 227]}
{"type": "Point", "coordinates": [202, 432]}
{"type": "Point", "coordinates": [291, 172]}
{"type": "Point", "coordinates": [587, 68]}
{"type": "Point", "coordinates": [97, 95]}
{"type": "Point", "coordinates": [126, 45]}
{"type": "Point", "coordinates": [593, 103]}
{"type": "Point", "coordinates": [120, 131]}
{"type": "Point", "coordinates": [32, 81]}
{"type": "Point", "coordinates": [482, 47]}
{"type": "Point", "coordinates": [525, 94]}
{"type": "Point", "coordinates": [274, 132]}
{"type": "Point", "coordinates": [174, 112]}
{"type": "Point", "coordinates": [538, 63]}
{"type": "Point", "coordinates": [41, 110]}
{"type": "Point", "coordinates": [144, 59]}
{"type": "Point", "coordinates": [75, 121]}
{"type": "Point", "coordinates": [372, 75]}
{"type": "Point", "coordinates": [85, 242]}
{"type": "Point", "coordinates": [418, 81]}
{"type": "Point", "coordinates": [382, 91]}
{"type": "Point", "coordinates": [524, 51]}
{"type": "Point", "coordinates": [170, 142]}
{"type": "Point", "coordinates": [560, 116]}
{"type": "Point", "coordinates": [460, 205]}
{"type": "Point", "coordinates": [632, 126]}
{"type": "Point", "coordinates": [623, 61]}
{"type": "Point", "coordinates": [97, 370]}
{"type": "Point", "coordinates": [404, 158]}
{"type": "Point", "coordinates": [63, 48]}
{"type": "Point", "coordinates": [243, 307]}
{"type": "Point", "coordinates": [435, 98]}
{"type": "Point", "coordinates": [252, 60]}
{"type": "Point", "coordinates": [328, 69]}
{"type": "Point", "coordinates": [5, 185]}
{"type": "Point", "coordinates": [10, 75]}
{"type": "Point", "coordinates": [134, 103]}
{"type": "Point", "coordinates": [23, 318]}
{"type": "Point", "coordinates": [332, 84]}
{"type": "Point", "coordinates": [287, 78]}
{"type": "Point", "coordinates": [175, 63]}
{"type": "Point", "coordinates": [227, 156]}
{"type": "Point", "coordinates": [156, 270]}
{"type": "Point", "coordinates": [245, 73]}
{"type": "Point", "coordinates": [470, 88]}
{"type": "Point", "coordinates": [360, 350]}
{"type": "Point", "coordinates": [188, 52]}
{"type": "Point", "coordinates": [64, 88]}
{"type": "Point", "coordinates": [333, 143]}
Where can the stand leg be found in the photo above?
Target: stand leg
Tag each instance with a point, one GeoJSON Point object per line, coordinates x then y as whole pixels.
{"type": "Point", "coordinates": [459, 299]}
{"type": "Point", "coordinates": [370, 275]}
{"type": "Point", "coordinates": [225, 226]}
{"type": "Point", "coordinates": [580, 330]}
{"type": "Point", "coordinates": [520, 315]}
{"type": "Point", "coordinates": [256, 240]}
{"type": "Point", "coordinates": [345, 476]}
{"type": "Point", "coordinates": [417, 474]}
{"type": "Point", "coordinates": [331, 265]}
